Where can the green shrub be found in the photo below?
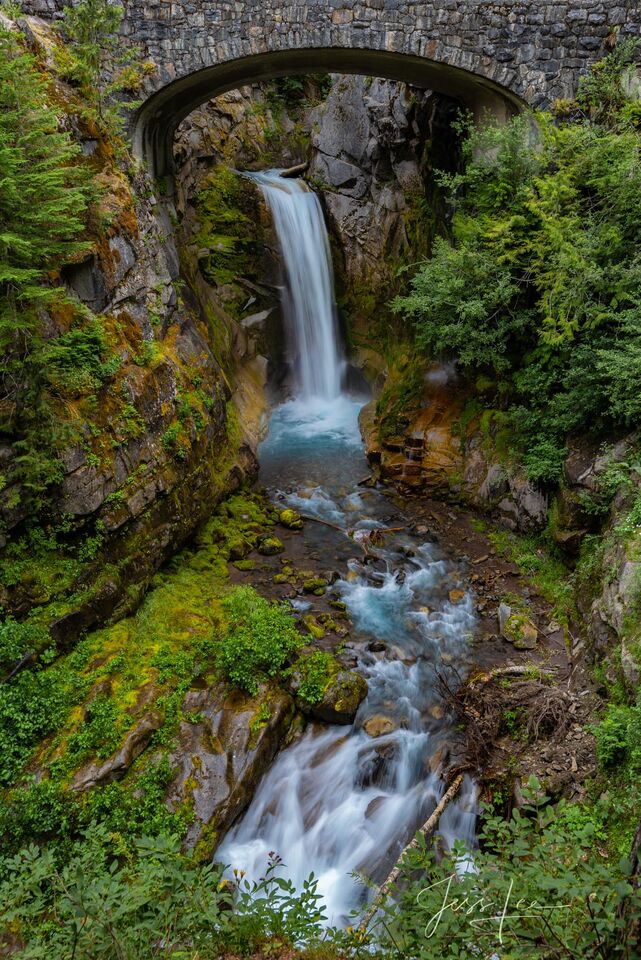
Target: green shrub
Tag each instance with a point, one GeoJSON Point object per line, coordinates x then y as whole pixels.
{"type": "Point", "coordinates": [540, 889]}
{"type": "Point", "coordinates": [19, 639]}
{"type": "Point", "coordinates": [315, 670]}
{"type": "Point", "coordinates": [618, 737]}
{"type": "Point", "coordinates": [259, 638]}
{"type": "Point", "coordinates": [99, 904]}
{"type": "Point", "coordinates": [540, 287]}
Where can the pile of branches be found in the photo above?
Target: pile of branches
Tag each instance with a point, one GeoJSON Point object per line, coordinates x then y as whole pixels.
{"type": "Point", "coordinates": [483, 702]}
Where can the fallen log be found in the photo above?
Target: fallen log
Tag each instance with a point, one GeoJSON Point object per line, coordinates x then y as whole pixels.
{"type": "Point", "coordinates": [426, 830]}
{"type": "Point", "coordinates": [295, 171]}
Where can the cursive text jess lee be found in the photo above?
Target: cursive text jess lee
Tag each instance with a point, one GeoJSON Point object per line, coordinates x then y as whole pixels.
{"type": "Point", "coordinates": [467, 906]}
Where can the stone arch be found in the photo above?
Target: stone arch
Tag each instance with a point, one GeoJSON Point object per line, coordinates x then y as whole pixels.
{"type": "Point", "coordinates": [155, 123]}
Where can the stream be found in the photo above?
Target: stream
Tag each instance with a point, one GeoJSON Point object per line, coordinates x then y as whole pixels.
{"type": "Point", "coordinates": [342, 800]}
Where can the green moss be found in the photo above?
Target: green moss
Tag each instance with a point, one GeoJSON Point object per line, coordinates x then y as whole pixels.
{"type": "Point", "coordinates": [315, 585]}
{"type": "Point", "coordinates": [224, 204]}
{"type": "Point", "coordinates": [539, 561]}
{"type": "Point", "coordinates": [401, 395]}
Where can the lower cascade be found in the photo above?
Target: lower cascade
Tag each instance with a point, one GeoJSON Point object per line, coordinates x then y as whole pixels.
{"type": "Point", "coordinates": [345, 800]}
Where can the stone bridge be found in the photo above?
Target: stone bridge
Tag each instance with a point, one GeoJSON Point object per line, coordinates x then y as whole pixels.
{"type": "Point", "coordinates": [492, 55]}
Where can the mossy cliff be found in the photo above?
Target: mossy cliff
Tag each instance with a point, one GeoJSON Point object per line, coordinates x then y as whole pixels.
{"type": "Point", "coordinates": [153, 392]}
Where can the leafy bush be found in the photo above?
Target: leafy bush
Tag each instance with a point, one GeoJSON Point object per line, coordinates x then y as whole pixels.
{"type": "Point", "coordinates": [98, 904]}
{"type": "Point", "coordinates": [541, 287]}
{"type": "Point", "coordinates": [78, 361]}
{"type": "Point", "coordinates": [315, 670]}
{"type": "Point", "coordinates": [539, 889]}
{"type": "Point", "coordinates": [18, 640]}
{"type": "Point", "coordinates": [618, 737]}
{"type": "Point", "coordinates": [259, 638]}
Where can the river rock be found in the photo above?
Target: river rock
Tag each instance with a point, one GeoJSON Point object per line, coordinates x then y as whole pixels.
{"type": "Point", "coordinates": [316, 585]}
{"type": "Point", "coordinates": [341, 699]}
{"type": "Point", "coordinates": [270, 546]}
{"type": "Point", "coordinates": [517, 628]}
{"type": "Point", "coordinates": [379, 725]}
{"type": "Point", "coordinates": [291, 519]}
{"type": "Point", "coordinates": [456, 596]}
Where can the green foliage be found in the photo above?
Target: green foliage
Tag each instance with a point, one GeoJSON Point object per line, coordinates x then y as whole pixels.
{"type": "Point", "coordinates": [32, 705]}
{"type": "Point", "coordinates": [618, 737]}
{"type": "Point", "coordinates": [259, 638]}
{"type": "Point", "coordinates": [97, 904]}
{"type": "Point", "coordinates": [315, 670]}
{"type": "Point", "coordinates": [540, 889]}
{"type": "Point", "coordinates": [43, 203]}
{"type": "Point", "coordinates": [79, 361]}
{"type": "Point", "coordinates": [542, 285]}
{"type": "Point", "coordinates": [18, 640]}
{"type": "Point", "coordinates": [463, 300]}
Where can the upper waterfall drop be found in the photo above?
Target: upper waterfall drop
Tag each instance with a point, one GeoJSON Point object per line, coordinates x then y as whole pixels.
{"type": "Point", "coordinates": [309, 305]}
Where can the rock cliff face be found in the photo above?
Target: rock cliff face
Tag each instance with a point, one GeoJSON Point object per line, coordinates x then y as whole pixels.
{"type": "Point", "coordinates": [173, 426]}
{"type": "Point", "coordinates": [372, 159]}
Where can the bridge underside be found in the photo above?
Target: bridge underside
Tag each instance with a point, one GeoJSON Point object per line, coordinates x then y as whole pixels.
{"type": "Point", "coordinates": [156, 121]}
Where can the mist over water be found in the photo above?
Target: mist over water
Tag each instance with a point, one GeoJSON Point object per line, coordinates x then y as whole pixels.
{"type": "Point", "coordinates": [339, 801]}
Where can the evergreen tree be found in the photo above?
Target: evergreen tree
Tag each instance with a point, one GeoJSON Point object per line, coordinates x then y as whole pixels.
{"type": "Point", "coordinates": [44, 193]}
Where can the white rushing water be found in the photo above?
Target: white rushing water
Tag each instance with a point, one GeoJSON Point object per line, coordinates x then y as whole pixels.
{"type": "Point", "coordinates": [339, 801]}
{"type": "Point", "coordinates": [309, 307]}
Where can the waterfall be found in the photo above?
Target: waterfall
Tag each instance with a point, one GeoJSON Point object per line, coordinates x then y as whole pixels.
{"type": "Point", "coordinates": [309, 306]}
{"type": "Point", "coordinates": [340, 800]}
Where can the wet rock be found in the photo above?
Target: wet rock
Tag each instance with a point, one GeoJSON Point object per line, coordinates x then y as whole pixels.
{"type": "Point", "coordinates": [270, 546]}
{"type": "Point", "coordinates": [341, 699]}
{"type": "Point", "coordinates": [239, 549]}
{"type": "Point", "coordinates": [115, 767]}
{"type": "Point", "coordinates": [291, 519]}
{"type": "Point", "coordinates": [377, 646]}
{"type": "Point", "coordinates": [456, 596]}
{"type": "Point", "coordinates": [379, 725]}
{"type": "Point", "coordinates": [220, 760]}
{"type": "Point", "coordinates": [376, 766]}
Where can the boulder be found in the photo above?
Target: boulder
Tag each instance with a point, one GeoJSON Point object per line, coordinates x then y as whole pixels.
{"type": "Point", "coordinates": [220, 759]}
{"type": "Point", "coordinates": [379, 725]}
{"type": "Point", "coordinates": [291, 519]}
{"type": "Point", "coordinates": [341, 699]}
{"type": "Point", "coordinates": [270, 546]}
{"type": "Point", "coordinates": [517, 628]}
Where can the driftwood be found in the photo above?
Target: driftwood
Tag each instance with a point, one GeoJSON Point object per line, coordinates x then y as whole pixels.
{"type": "Point", "coordinates": [426, 830]}
{"type": "Point", "coordinates": [368, 538]}
{"type": "Point", "coordinates": [294, 171]}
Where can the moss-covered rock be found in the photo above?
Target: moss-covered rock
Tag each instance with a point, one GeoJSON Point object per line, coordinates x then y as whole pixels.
{"type": "Point", "coordinates": [315, 585]}
{"type": "Point", "coordinates": [343, 695]}
{"type": "Point", "coordinates": [270, 546]}
{"type": "Point", "coordinates": [291, 519]}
